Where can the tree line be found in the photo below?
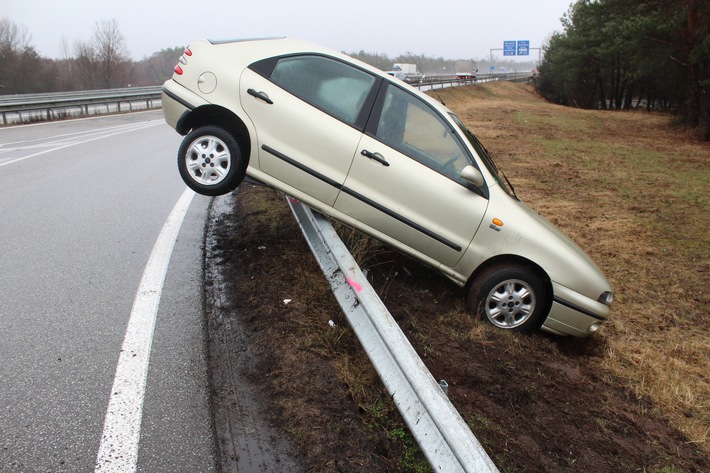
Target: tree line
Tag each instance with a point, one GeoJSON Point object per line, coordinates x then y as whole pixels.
{"type": "Point", "coordinates": [611, 54]}
{"type": "Point", "coordinates": [622, 54]}
{"type": "Point", "coordinates": [101, 62]}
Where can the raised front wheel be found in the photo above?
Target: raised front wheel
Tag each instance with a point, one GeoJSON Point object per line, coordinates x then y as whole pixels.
{"type": "Point", "coordinates": [210, 161]}
{"type": "Point", "coordinates": [511, 297]}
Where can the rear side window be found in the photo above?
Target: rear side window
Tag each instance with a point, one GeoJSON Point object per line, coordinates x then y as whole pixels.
{"type": "Point", "coordinates": [335, 87]}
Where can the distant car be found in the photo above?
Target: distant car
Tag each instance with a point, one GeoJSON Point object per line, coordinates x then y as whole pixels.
{"type": "Point", "coordinates": [369, 150]}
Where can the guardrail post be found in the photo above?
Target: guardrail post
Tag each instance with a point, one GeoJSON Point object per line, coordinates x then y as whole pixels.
{"type": "Point", "coordinates": [444, 387]}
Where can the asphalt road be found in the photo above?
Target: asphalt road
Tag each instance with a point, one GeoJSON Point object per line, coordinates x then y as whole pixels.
{"type": "Point", "coordinates": [82, 205]}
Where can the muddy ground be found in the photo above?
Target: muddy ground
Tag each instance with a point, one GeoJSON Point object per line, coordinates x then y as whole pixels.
{"type": "Point", "coordinates": [294, 390]}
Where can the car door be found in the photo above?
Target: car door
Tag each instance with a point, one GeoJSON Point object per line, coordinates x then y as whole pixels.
{"type": "Point", "coordinates": [405, 181]}
{"type": "Point", "coordinates": [309, 112]}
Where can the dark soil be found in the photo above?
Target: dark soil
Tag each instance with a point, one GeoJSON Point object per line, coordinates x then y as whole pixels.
{"type": "Point", "coordinates": [281, 348]}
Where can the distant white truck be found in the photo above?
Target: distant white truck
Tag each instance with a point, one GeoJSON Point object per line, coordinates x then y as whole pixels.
{"type": "Point", "coordinates": [405, 72]}
{"type": "Point", "coordinates": [406, 69]}
{"type": "Point", "coordinates": [466, 70]}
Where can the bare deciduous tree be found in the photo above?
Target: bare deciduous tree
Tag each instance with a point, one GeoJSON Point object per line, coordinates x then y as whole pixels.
{"type": "Point", "coordinates": [20, 62]}
{"type": "Point", "coordinates": [83, 69]}
{"type": "Point", "coordinates": [110, 54]}
{"type": "Point", "coordinates": [13, 37]}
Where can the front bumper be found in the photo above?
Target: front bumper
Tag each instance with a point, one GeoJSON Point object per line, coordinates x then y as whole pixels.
{"type": "Point", "coordinates": [574, 314]}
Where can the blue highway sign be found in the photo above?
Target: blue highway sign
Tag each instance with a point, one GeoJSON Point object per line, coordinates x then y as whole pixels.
{"type": "Point", "coordinates": [523, 48]}
{"type": "Point", "coordinates": [508, 48]}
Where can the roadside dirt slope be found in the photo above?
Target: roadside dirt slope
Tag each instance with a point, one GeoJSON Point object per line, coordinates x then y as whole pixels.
{"type": "Point", "coordinates": [537, 403]}
{"type": "Point", "coordinates": [532, 401]}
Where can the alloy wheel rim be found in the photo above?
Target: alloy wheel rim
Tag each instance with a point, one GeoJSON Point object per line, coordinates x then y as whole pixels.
{"type": "Point", "coordinates": [208, 160]}
{"type": "Point", "coordinates": [510, 303]}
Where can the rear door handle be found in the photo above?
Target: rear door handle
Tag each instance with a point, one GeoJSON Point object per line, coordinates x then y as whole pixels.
{"type": "Point", "coordinates": [375, 156]}
{"type": "Point", "coordinates": [260, 95]}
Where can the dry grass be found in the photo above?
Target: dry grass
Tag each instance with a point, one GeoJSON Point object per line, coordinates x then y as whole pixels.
{"type": "Point", "coordinates": [634, 192]}
{"type": "Point", "coordinates": [631, 190]}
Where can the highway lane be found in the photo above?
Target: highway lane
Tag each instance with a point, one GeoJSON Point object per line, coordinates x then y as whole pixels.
{"type": "Point", "coordinates": [82, 204]}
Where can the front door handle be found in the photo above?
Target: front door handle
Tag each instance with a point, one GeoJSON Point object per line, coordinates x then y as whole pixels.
{"type": "Point", "coordinates": [260, 95]}
{"type": "Point", "coordinates": [376, 156]}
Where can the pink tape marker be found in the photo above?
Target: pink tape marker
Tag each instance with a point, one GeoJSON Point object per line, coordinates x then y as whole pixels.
{"type": "Point", "coordinates": [354, 284]}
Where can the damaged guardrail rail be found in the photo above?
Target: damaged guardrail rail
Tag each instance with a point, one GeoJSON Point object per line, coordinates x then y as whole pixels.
{"type": "Point", "coordinates": [442, 434]}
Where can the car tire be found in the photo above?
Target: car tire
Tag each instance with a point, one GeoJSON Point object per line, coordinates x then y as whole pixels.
{"type": "Point", "coordinates": [511, 297]}
{"type": "Point", "coordinates": [210, 161]}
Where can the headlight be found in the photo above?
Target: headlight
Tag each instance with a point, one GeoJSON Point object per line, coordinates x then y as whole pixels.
{"type": "Point", "coordinates": [606, 298]}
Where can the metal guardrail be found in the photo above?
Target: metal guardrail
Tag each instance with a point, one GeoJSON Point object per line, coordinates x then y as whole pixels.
{"type": "Point", "coordinates": [46, 106]}
{"type": "Point", "coordinates": [440, 81]}
{"type": "Point", "coordinates": [442, 434]}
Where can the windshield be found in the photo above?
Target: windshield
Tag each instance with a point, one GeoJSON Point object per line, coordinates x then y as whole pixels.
{"type": "Point", "coordinates": [485, 156]}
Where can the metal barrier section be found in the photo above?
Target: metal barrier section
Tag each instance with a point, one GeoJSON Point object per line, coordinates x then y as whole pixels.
{"type": "Point", "coordinates": [442, 434]}
{"type": "Point", "coordinates": [50, 106]}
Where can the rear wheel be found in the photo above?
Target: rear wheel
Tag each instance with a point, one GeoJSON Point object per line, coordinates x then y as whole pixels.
{"type": "Point", "coordinates": [511, 297]}
{"type": "Point", "coordinates": [210, 161]}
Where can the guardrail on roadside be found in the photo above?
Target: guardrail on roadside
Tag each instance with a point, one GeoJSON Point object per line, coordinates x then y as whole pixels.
{"type": "Point", "coordinates": [442, 434]}
{"type": "Point", "coordinates": [46, 106]}
{"type": "Point", "coordinates": [441, 81]}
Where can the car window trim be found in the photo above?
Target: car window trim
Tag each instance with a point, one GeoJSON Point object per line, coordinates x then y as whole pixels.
{"type": "Point", "coordinates": [374, 119]}
{"type": "Point", "coordinates": [265, 68]}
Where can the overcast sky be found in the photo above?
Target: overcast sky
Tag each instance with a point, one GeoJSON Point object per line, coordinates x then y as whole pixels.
{"type": "Point", "coordinates": [451, 29]}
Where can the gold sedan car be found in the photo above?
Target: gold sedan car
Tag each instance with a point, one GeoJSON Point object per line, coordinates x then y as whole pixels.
{"type": "Point", "coordinates": [369, 150]}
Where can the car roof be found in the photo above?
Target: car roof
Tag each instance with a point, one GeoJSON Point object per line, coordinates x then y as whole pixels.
{"type": "Point", "coordinates": [253, 49]}
{"type": "Point", "coordinates": [250, 50]}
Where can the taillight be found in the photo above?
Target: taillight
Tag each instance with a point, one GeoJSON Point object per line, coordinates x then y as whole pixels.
{"type": "Point", "coordinates": [183, 61]}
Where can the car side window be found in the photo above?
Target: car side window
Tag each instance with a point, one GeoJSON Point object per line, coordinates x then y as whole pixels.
{"type": "Point", "coordinates": [412, 127]}
{"type": "Point", "coordinates": [332, 86]}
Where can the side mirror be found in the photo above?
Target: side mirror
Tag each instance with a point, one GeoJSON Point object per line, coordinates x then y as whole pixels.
{"type": "Point", "coordinates": [473, 175]}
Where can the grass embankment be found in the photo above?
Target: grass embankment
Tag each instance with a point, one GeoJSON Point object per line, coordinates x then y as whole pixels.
{"type": "Point", "coordinates": [627, 187]}
{"type": "Point", "coordinates": [634, 192]}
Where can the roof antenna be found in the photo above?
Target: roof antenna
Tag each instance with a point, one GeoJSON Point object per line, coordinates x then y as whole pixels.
{"type": "Point", "coordinates": [415, 62]}
{"type": "Point", "coordinates": [422, 71]}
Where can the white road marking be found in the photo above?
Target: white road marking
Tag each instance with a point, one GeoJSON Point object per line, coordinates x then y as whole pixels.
{"type": "Point", "coordinates": [73, 143]}
{"type": "Point", "coordinates": [74, 134]}
{"type": "Point", "coordinates": [118, 451]}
